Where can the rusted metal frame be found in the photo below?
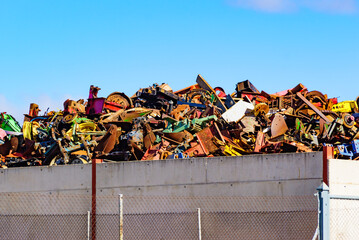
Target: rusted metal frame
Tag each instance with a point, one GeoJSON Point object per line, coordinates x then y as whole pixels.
{"type": "Point", "coordinates": [202, 142]}
{"type": "Point", "coordinates": [260, 141]}
{"type": "Point", "coordinates": [246, 86]}
{"type": "Point", "coordinates": [203, 84]}
{"type": "Point", "coordinates": [312, 107]}
{"type": "Point", "coordinates": [196, 151]}
{"type": "Point", "coordinates": [205, 137]}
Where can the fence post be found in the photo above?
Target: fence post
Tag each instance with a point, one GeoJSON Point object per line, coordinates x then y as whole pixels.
{"type": "Point", "coordinates": [88, 224]}
{"type": "Point", "coordinates": [93, 200]}
{"type": "Point", "coordinates": [328, 153]}
{"type": "Point", "coordinates": [199, 224]}
{"type": "Point", "coordinates": [323, 192]}
{"type": "Point", "coordinates": [121, 215]}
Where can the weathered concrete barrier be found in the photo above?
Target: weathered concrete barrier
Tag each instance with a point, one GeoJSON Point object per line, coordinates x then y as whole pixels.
{"type": "Point", "coordinates": [254, 175]}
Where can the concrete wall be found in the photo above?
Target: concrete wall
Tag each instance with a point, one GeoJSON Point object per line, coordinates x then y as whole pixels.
{"type": "Point", "coordinates": [255, 175]}
{"type": "Point", "coordinates": [257, 197]}
{"type": "Point", "coordinates": [344, 177]}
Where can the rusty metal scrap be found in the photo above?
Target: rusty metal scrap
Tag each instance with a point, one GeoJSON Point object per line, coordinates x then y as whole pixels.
{"type": "Point", "coordinates": [197, 121]}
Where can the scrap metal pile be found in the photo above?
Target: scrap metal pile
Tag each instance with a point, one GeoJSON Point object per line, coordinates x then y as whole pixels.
{"type": "Point", "coordinates": [198, 121]}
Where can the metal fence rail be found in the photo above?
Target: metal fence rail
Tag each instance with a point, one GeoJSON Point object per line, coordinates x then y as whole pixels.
{"type": "Point", "coordinates": [60, 216]}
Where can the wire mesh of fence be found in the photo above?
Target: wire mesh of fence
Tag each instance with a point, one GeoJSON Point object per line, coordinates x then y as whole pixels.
{"type": "Point", "coordinates": [344, 219]}
{"type": "Point", "coordinates": [43, 216]}
{"type": "Point", "coordinates": [164, 217]}
{"type": "Point", "coordinates": [107, 217]}
{"type": "Point", "coordinates": [61, 216]}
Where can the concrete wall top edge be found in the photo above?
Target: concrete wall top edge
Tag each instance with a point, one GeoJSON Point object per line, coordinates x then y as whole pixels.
{"type": "Point", "coordinates": [266, 156]}
{"type": "Point", "coordinates": [244, 157]}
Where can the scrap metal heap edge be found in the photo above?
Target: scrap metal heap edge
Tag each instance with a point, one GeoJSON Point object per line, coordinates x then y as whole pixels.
{"type": "Point", "coordinates": [198, 121]}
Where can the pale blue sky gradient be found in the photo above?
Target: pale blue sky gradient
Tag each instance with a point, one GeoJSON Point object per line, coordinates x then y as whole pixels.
{"type": "Point", "coordinates": [54, 50]}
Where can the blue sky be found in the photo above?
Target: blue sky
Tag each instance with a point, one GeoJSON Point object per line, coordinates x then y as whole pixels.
{"type": "Point", "coordinates": [54, 50]}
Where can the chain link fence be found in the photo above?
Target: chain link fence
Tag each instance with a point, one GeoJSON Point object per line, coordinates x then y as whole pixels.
{"type": "Point", "coordinates": [163, 217]}
{"type": "Point", "coordinates": [43, 216]}
{"type": "Point", "coordinates": [344, 218]}
{"type": "Point", "coordinates": [60, 216]}
{"type": "Point", "coordinates": [108, 217]}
